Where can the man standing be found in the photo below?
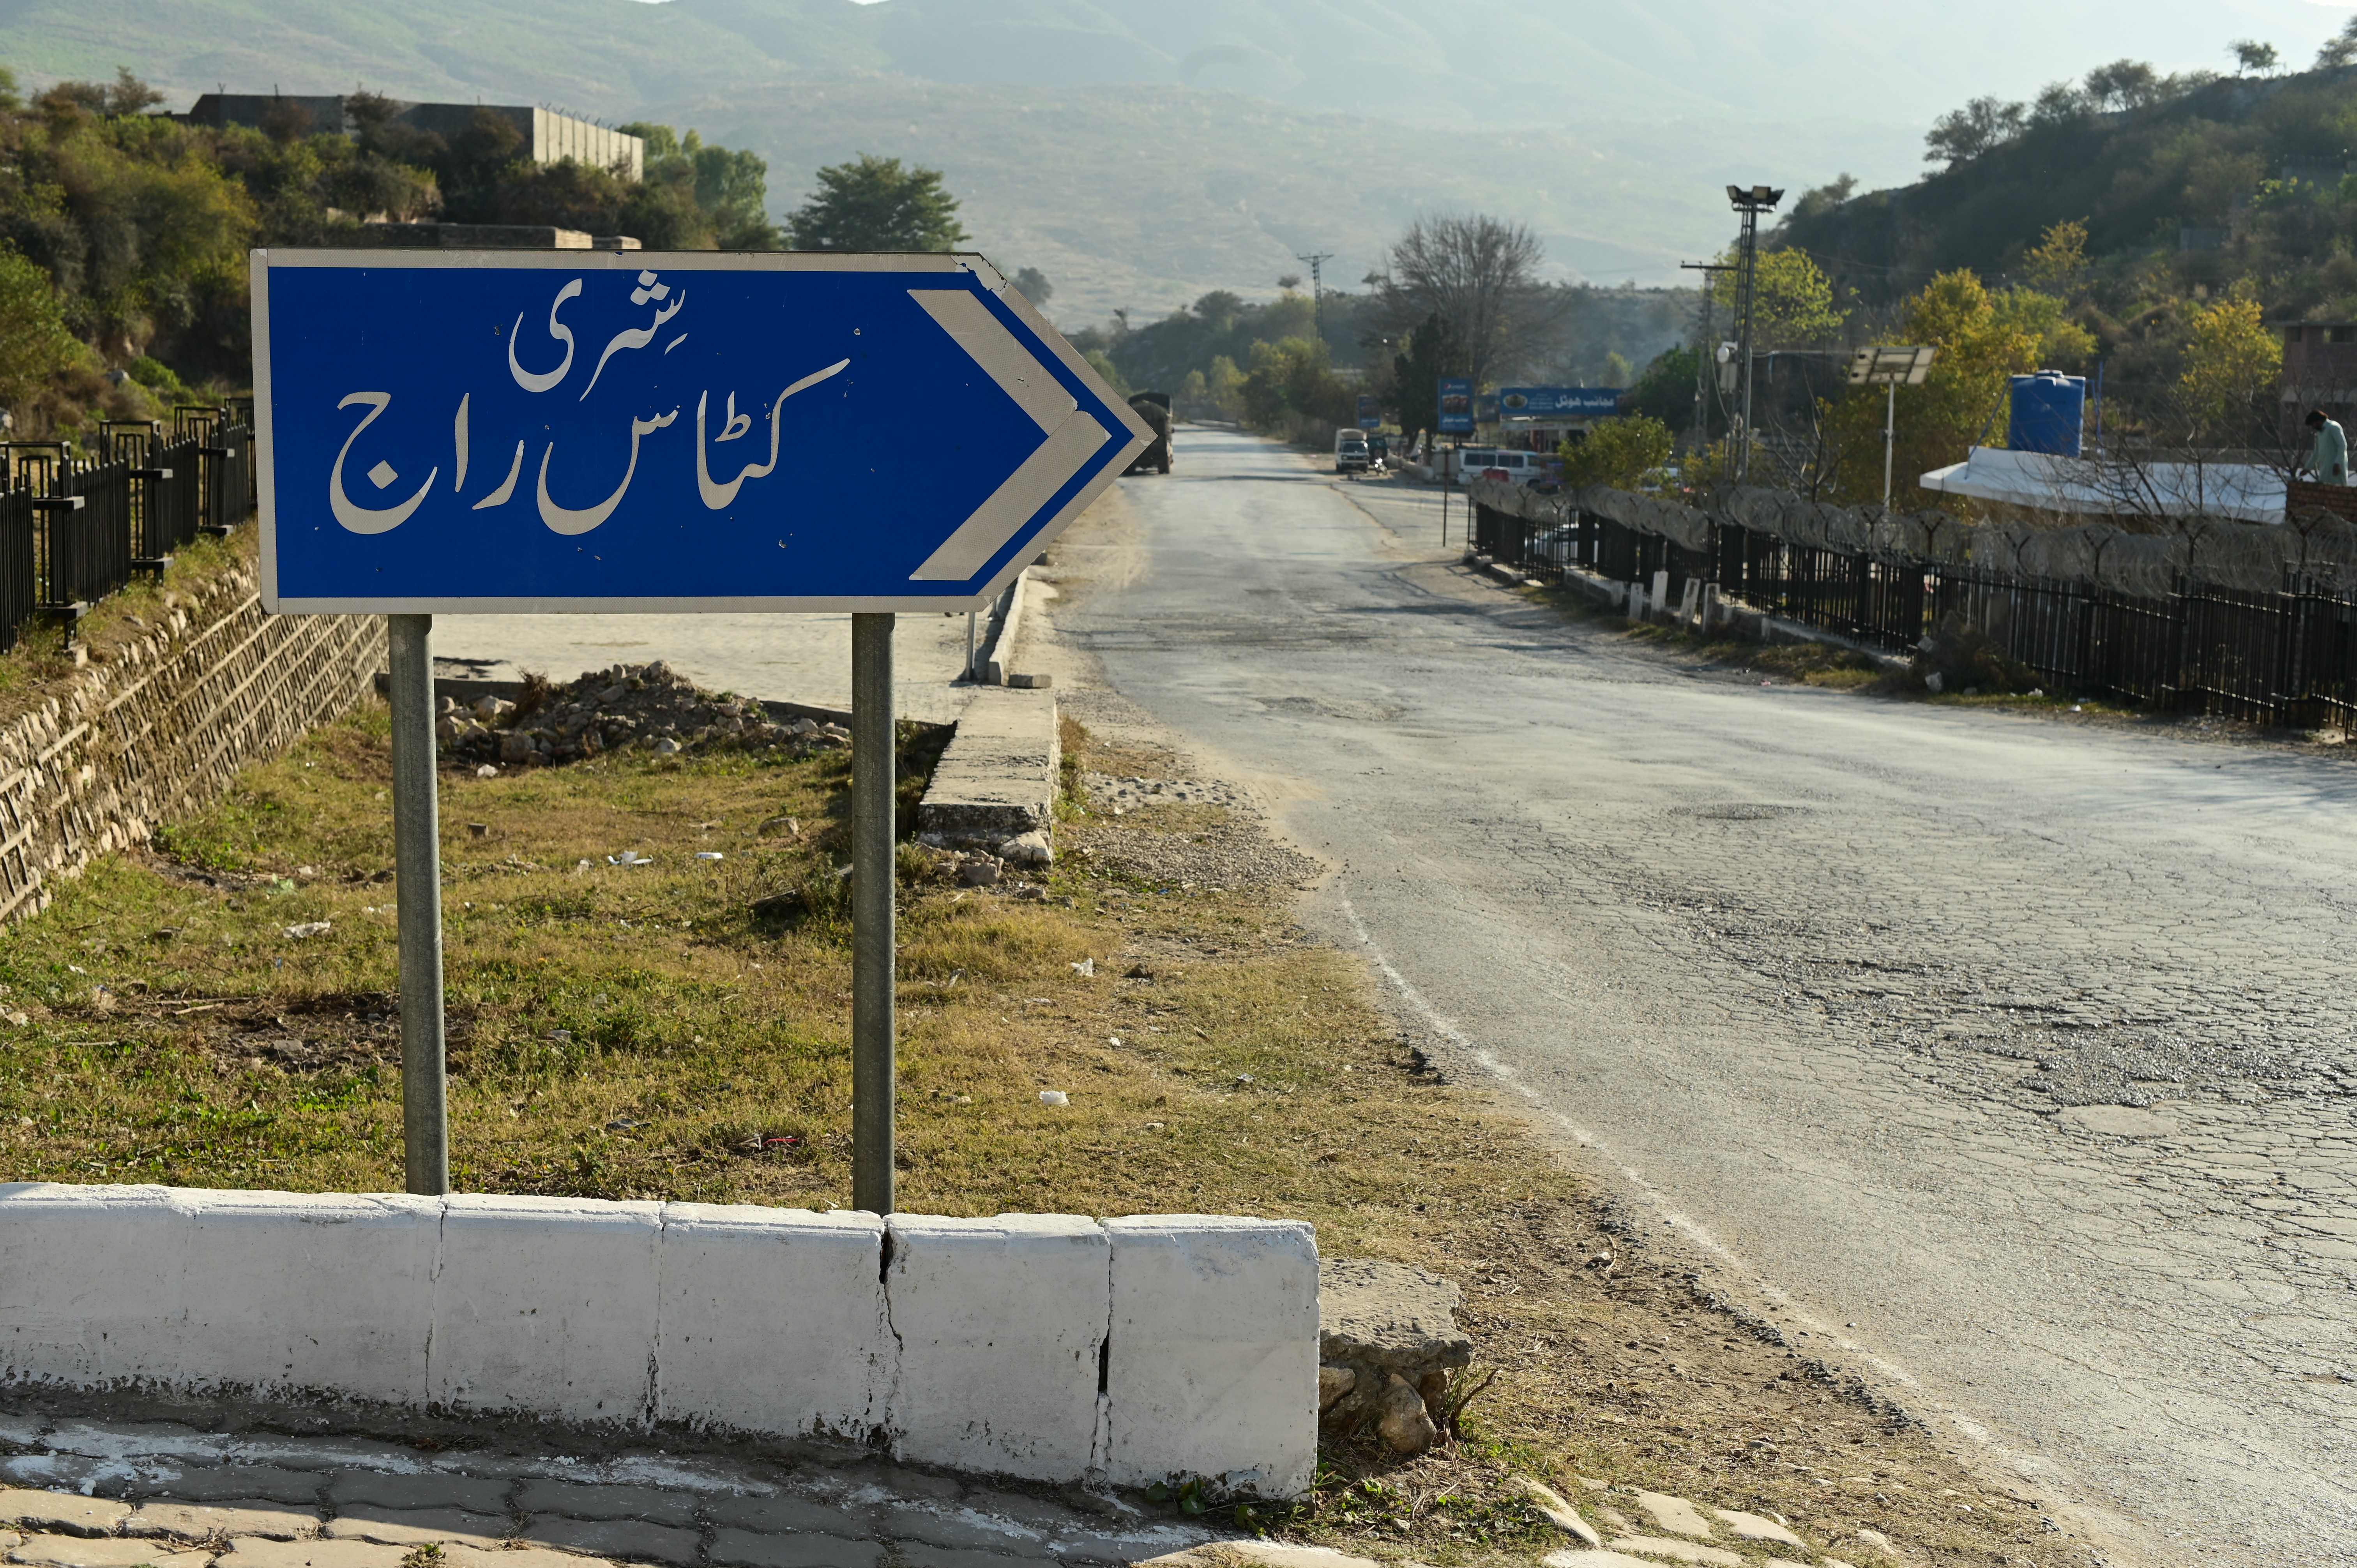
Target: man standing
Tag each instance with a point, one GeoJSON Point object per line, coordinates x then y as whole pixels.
{"type": "Point", "coordinates": [2329, 459]}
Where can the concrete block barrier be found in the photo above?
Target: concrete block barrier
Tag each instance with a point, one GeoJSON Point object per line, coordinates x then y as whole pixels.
{"type": "Point", "coordinates": [546, 1303]}
{"type": "Point", "coordinates": [1002, 1329]}
{"type": "Point", "coordinates": [742, 1287]}
{"type": "Point", "coordinates": [363, 1266]}
{"type": "Point", "coordinates": [1214, 1363]}
{"type": "Point", "coordinates": [1048, 1347]}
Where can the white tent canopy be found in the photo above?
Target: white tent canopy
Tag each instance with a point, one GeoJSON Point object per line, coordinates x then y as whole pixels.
{"type": "Point", "coordinates": [2110, 487]}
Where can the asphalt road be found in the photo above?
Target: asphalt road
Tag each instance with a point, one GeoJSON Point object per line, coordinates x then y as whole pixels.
{"type": "Point", "coordinates": [2010, 1059]}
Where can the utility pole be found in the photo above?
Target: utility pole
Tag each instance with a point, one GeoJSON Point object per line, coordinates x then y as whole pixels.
{"type": "Point", "coordinates": [1703, 351]}
{"type": "Point", "coordinates": [1750, 204]}
{"type": "Point", "coordinates": [1314, 262]}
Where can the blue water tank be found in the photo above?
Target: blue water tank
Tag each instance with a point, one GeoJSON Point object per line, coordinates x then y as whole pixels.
{"type": "Point", "coordinates": [2048, 411]}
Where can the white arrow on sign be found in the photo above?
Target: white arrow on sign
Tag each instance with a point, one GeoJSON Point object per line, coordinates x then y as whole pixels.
{"type": "Point", "coordinates": [1073, 437]}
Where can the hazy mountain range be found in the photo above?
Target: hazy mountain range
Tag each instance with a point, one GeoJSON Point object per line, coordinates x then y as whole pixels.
{"type": "Point", "coordinates": [1140, 152]}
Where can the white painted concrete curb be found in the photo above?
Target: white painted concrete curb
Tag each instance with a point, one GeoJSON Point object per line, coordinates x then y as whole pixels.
{"type": "Point", "coordinates": [1048, 1346]}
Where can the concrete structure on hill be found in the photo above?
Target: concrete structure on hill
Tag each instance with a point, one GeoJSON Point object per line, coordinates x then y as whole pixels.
{"type": "Point", "coordinates": [548, 137]}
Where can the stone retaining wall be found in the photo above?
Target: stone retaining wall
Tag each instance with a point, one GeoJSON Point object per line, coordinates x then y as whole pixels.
{"type": "Point", "coordinates": [161, 727]}
{"type": "Point", "coordinates": [1048, 1346]}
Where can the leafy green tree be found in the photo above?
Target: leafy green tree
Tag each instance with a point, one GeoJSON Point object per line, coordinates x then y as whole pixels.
{"type": "Point", "coordinates": [876, 204]}
{"type": "Point", "coordinates": [33, 343]}
{"type": "Point", "coordinates": [2058, 262]}
{"type": "Point", "coordinates": [730, 186]}
{"type": "Point", "coordinates": [1430, 354]}
{"type": "Point", "coordinates": [2339, 49]}
{"type": "Point", "coordinates": [1666, 391]}
{"type": "Point", "coordinates": [2232, 364]}
{"type": "Point", "coordinates": [1792, 303]}
{"type": "Point", "coordinates": [2250, 55]}
{"type": "Point", "coordinates": [1963, 135]}
{"type": "Point", "coordinates": [1624, 453]}
{"type": "Point", "coordinates": [1291, 389]}
{"type": "Point", "coordinates": [1103, 364]}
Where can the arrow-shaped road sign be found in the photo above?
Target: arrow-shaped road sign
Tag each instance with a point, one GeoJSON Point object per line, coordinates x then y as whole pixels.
{"type": "Point", "coordinates": [447, 432]}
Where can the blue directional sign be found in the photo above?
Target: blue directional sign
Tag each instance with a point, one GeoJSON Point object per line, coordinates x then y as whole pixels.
{"type": "Point", "coordinates": [447, 432]}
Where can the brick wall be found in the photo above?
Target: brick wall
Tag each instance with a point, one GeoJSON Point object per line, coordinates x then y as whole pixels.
{"type": "Point", "coordinates": [160, 728]}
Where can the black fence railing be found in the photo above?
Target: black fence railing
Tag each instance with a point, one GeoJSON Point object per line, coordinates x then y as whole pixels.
{"type": "Point", "coordinates": [74, 529]}
{"type": "Point", "coordinates": [2283, 658]}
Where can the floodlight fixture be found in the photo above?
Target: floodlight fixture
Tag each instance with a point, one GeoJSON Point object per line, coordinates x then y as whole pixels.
{"type": "Point", "coordinates": [1759, 199]}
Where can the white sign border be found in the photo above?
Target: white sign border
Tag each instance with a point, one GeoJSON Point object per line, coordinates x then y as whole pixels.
{"type": "Point", "coordinates": [946, 263]}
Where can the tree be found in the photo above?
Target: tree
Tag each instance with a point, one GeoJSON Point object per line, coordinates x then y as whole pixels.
{"type": "Point", "coordinates": [1292, 391]}
{"type": "Point", "coordinates": [2124, 84]}
{"type": "Point", "coordinates": [1426, 354]}
{"type": "Point", "coordinates": [2339, 49]}
{"type": "Point", "coordinates": [1479, 274]}
{"type": "Point", "coordinates": [1825, 197]}
{"type": "Point", "coordinates": [1792, 300]}
{"type": "Point", "coordinates": [729, 185]}
{"type": "Point", "coordinates": [1033, 285]}
{"type": "Point", "coordinates": [1666, 390]}
{"type": "Point", "coordinates": [2060, 258]}
{"type": "Point", "coordinates": [126, 94]}
{"type": "Point", "coordinates": [2250, 55]}
{"type": "Point", "coordinates": [2232, 362]}
{"type": "Point", "coordinates": [1963, 135]}
{"type": "Point", "coordinates": [33, 343]}
{"type": "Point", "coordinates": [1622, 453]}
{"type": "Point", "coordinates": [876, 204]}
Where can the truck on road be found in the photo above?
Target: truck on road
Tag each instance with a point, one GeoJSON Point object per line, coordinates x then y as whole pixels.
{"type": "Point", "coordinates": [1154, 407]}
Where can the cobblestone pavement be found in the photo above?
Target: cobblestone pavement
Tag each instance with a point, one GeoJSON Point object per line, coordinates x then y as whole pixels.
{"type": "Point", "coordinates": [96, 1493]}
{"type": "Point", "coordinates": [2006, 1059]}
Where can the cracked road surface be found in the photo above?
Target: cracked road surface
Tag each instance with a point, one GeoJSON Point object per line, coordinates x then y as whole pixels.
{"type": "Point", "coordinates": [2012, 1057]}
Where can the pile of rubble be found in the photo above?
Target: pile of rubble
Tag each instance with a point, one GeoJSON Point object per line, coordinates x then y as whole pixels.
{"type": "Point", "coordinates": [982, 861]}
{"type": "Point", "coordinates": [648, 705]}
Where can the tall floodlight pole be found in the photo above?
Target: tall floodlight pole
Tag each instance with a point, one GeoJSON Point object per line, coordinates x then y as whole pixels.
{"type": "Point", "coordinates": [1314, 262]}
{"type": "Point", "coordinates": [1750, 204]}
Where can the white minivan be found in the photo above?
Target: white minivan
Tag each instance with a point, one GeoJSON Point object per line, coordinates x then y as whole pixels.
{"type": "Point", "coordinates": [1350, 454]}
{"type": "Point", "coordinates": [1521, 467]}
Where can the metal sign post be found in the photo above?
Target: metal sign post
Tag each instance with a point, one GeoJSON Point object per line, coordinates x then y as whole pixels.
{"type": "Point", "coordinates": [417, 900]}
{"type": "Point", "coordinates": [454, 433]}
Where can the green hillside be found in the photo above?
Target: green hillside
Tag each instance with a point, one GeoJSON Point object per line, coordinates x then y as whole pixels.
{"type": "Point", "coordinates": [2232, 179]}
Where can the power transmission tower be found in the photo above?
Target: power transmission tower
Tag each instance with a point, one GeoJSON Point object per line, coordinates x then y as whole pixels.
{"type": "Point", "coordinates": [1316, 289]}
{"type": "Point", "coordinates": [1751, 203]}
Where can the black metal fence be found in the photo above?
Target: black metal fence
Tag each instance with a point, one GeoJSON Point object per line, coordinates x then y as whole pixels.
{"type": "Point", "coordinates": [74, 529]}
{"type": "Point", "coordinates": [2283, 658]}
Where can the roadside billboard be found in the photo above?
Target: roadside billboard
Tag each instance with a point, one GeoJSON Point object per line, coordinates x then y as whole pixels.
{"type": "Point", "coordinates": [1371, 413]}
{"type": "Point", "coordinates": [1456, 407]}
{"type": "Point", "coordinates": [1558, 403]}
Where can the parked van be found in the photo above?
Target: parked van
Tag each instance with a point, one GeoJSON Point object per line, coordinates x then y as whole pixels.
{"type": "Point", "coordinates": [1350, 454]}
{"type": "Point", "coordinates": [1521, 467]}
